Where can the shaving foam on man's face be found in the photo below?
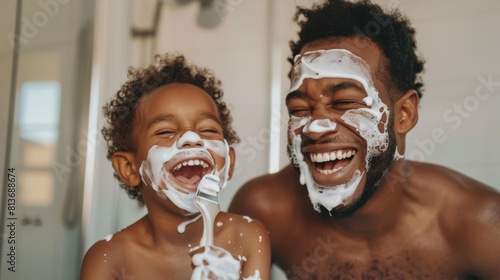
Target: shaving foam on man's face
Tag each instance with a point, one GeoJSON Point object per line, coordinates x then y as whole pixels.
{"type": "Point", "coordinates": [337, 63]}
{"type": "Point", "coordinates": [174, 172]}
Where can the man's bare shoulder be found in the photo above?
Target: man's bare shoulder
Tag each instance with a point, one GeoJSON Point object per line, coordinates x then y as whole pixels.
{"type": "Point", "coordinates": [267, 194]}
{"type": "Point", "coordinates": [441, 181]}
{"type": "Point", "coordinates": [468, 214]}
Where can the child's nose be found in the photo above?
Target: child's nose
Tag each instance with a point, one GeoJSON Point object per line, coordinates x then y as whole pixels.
{"type": "Point", "coordinates": [189, 140]}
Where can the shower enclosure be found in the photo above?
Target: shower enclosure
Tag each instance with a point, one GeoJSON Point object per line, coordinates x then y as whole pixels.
{"type": "Point", "coordinates": [45, 83]}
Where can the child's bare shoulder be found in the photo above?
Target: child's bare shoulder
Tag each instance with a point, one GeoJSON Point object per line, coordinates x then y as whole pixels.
{"type": "Point", "coordinates": [102, 258]}
{"type": "Point", "coordinates": [107, 256]}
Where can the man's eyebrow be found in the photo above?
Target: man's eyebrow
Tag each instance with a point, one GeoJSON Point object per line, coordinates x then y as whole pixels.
{"type": "Point", "coordinates": [333, 88]}
{"type": "Point", "coordinates": [294, 95]}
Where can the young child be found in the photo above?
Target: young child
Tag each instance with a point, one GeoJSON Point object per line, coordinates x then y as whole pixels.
{"type": "Point", "coordinates": [168, 127]}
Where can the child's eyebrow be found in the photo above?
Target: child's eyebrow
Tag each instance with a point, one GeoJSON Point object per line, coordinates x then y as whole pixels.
{"type": "Point", "coordinates": [172, 118]}
{"type": "Point", "coordinates": [161, 118]}
{"type": "Point", "coordinates": [211, 116]}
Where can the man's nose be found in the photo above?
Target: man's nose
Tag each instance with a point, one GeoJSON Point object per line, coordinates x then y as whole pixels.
{"type": "Point", "coordinates": [189, 140]}
{"type": "Point", "coordinates": [315, 128]}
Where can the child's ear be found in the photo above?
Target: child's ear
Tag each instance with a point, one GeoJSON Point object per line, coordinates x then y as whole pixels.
{"type": "Point", "coordinates": [406, 116]}
{"type": "Point", "coordinates": [126, 169]}
{"type": "Point", "coordinates": [232, 162]}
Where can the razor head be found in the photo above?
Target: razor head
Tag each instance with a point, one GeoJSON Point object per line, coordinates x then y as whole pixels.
{"type": "Point", "coordinates": [207, 196]}
{"type": "Point", "coordinates": [209, 187]}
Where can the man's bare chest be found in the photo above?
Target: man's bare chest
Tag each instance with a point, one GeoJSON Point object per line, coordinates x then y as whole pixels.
{"type": "Point", "coordinates": [327, 257]}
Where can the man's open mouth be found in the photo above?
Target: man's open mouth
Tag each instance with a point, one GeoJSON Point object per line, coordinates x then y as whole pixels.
{"type": "Point", "coordinates": [330, 162]}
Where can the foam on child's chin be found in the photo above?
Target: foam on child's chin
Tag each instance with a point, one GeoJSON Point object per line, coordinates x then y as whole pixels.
{"type": "Point", "coordinates": [152, 169]}
{"type": "Point", "coordinates": [338, 63]}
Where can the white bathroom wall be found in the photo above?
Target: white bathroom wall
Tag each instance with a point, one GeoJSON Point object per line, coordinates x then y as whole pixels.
{"type": "Point", "coordinates": [459, 117]}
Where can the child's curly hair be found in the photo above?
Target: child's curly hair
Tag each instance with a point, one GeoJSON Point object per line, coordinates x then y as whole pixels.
{"type": "Point", "coordinates": [168, 69]}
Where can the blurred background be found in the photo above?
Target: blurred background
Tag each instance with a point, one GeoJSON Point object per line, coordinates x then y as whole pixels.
{"type": "Point", "coordinates": [62, 60]}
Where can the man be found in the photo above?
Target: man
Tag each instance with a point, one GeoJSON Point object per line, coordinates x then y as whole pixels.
{"type": "Point", "coordinates": [374, 215]}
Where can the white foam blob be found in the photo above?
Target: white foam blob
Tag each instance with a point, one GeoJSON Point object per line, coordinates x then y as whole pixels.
{"type": "Point", "coordinates": [319, 126]}
{"type": "Point", "coordinates": [181, 228]}
{"type": "Point", "coordinates": [223, 265]}
{"type": "Point", "coordinates": [256, 276]}
{"type": "Point", "coordinates": [338, 63]}
{"type": "Point", "coordinates": [108, 238]}
{"type": "Point", "coordinates": [248, 219]}
{"type": "Point", "coordinates": [242, 258]}
{"type": "Point", "coordinates": [397, 155]}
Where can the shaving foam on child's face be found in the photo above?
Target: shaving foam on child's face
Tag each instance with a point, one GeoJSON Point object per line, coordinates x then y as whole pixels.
{"type": "Point", "coordinates": [174, 172]}
{"type": "Point", "coordinates": [337, 63]}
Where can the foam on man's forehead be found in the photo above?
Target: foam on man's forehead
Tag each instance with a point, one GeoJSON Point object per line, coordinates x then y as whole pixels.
{"type": "Point", "coordinates": [333, 63]}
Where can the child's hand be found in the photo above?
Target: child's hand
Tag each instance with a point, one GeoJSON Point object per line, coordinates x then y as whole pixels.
{"type": "Point", "coordinates": [214, 263]}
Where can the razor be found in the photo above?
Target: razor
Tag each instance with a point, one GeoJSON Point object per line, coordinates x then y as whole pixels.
{"type": "Point", "coordinates": [207, 202]}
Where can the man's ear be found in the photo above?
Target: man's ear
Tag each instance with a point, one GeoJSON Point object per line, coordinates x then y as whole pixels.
{"type": "Point", "coordinates": [126, 169]}
{"type": "Point", "coordinates": [406, 116]}
{"type": "Point", "coordinates": [232, 162]}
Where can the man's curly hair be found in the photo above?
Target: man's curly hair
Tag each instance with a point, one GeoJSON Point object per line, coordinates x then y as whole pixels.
{"type": "Point", "coordinates": [121, 110]}
{"type": "Point", "coordinates": [391, 32]}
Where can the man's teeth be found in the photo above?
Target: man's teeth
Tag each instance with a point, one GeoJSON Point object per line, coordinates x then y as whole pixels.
{"type": "Point", "coordinates": [338, 155]}
{"type": "Point", "coordinates": [191, 162]}
{"type": "Point", "coordinates": [328, 172]}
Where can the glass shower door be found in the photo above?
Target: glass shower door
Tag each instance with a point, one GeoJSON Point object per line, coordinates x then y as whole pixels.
{"type": "Point", "coordinates": [46, 140]}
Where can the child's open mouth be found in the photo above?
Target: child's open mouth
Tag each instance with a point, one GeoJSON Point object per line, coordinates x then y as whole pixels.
{"type": "Point", "coordinates": [190, 171]}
